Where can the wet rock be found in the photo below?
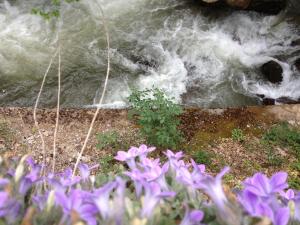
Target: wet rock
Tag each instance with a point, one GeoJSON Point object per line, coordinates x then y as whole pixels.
{"type": "Point", "coordinates": [242, 4]}
{"type": "Point", "coordinates": [295, 43]}
{"type": "Point", "coordinates": [267, 6]}
{"type": "Point", "coordinates": [268, 101]}
{"type": "Point", "coordinates": [143, 61]}
{"type": "Point", "coordinates": [272, 71]}
{"type": "Point", "coordinates": [263, 6]}
{"type": "Point", "coordinates": [287, 100]}
{"type": "Point", "coordinates": [297, 64]}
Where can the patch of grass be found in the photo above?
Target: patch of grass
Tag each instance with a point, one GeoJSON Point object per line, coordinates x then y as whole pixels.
{"type": "Point", "coordinates": [108, 139]}
{"type": "Point", "coordinates": [237, 135]}
{"type": "Point", "coordinates": [106, 163]}
{"type": "Point", "coordinates": [203, 157]}
{"type": "Point", "coordinates": [294, 183]}
{"type": "Point", "coordinates": [296, 166]}
{"type": "Point", "coordinates": [116, 141]}
{"type": "Point", "coordinates": [274, 159]}
{"type": "Point", "coordinates": [229, 178]}
{"type": "Point", "coordinates": [252, 166]}
{"type": "Point", "coordinates": [284, 135]}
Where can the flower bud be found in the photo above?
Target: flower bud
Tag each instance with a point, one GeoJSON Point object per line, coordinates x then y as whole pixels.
{"type": "Point", "coordinates": [50, 200]}
{"type": "Point", "coordinates": [20, 169]}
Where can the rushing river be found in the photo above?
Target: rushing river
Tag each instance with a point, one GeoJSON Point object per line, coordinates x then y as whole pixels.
{"type": "Point", "coordinates": [201, 57]}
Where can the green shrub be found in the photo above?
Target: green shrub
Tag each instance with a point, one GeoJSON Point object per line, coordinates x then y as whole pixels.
{"type": "Point", "coordinates": [237, 135]}
{"type": "Point", "coordinates": [107, 139]}
{"type": "Point", "coordinates": [284, 135]}
{"type": "Point", "coordinates": [203, 157]}
{"type": "Point", "coordinates": [158, 117]}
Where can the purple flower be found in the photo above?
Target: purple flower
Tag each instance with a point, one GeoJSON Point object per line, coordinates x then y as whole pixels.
{"type": "Point", "coordinates": [288, 195]}
{"type": "Point", "coordinates": [154, 173]}
{"type": "Point", "coordinates": [119, 201]}
{"type": "Point", "coordinates": [4, 182]}
{"type": "Point", "coordinates": [174, 160]}
{"type": "Point", "coordinates": [213, 187]}
{"type": "Point", "coordinates": [77, 202]}
{"type": "Point", "coordinates": [297, 209]}
{"type": "Point", "coordinates": [153, 195]}
{"type": "Point", "coordinates": [132, 153]}
{"type": "Point", "coordinates": [258, 204]}
{"type": "Point", "coordinates": [262, 186]}
{"type": "Point", "coordinates": [101, 199]}
{"type": "Point", "coordinates": [30, 179]}
{"type": "Point", "coordinates": [128, 157]}
{"type": "Point", "coordinates": [62, 181]}
{"type": "Point", "coordinates": [278, 216]}
{"type": "Point", "coordinates": [143, 151]}
{"type": "Point", "coordinates": [192, 217]}
{"type": "Point", "coordinates": [10, 208]}
{"type": "Point", "coordinates": [137, 177]}
{"type": "Point", "coordinates": [85, 170]}
{"type": "Point", "coordinates": [40, 201]}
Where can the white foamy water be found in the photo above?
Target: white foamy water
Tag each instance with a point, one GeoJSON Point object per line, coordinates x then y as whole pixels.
{"type": "Point", "coordinates": [200, 58]}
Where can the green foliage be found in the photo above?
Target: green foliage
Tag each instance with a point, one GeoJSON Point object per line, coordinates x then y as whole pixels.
{"type": "Point", "coordinates": [284, 135]}
{"type": "Point", "coordinates": [108, 170]}
{"type": "Point", "coordinates": [203, 157]}
{"type": "Point", "coordinates": [106, 162]}
{"type": "Point", "coordinates": [158, 117]}
{"type": "Point", "coordinates": [273, 158]}
{"type": "Point", "coordinates": [108, 139]}
{"type": "Point", "coordinates": [294, 183]}
{"type": "Point", "coordinates": [296, 165]}
{"type": "Point", "coordinates": [54, 12]}
{"type": "Point", "coordinates": [237, 135]}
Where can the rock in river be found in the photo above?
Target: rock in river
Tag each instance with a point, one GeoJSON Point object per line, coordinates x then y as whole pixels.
{"type": "Point", "coordinates": [272, 72]}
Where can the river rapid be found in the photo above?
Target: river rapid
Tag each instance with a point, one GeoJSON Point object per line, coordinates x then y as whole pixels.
{"type": "Point", "coordinates": [201, 57]}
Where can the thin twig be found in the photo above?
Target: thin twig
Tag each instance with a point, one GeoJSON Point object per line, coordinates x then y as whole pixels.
{"type": "Point", "coordinates": [57, 109]}
{"type": "Point", "coordinates": [102, 96]}
{"type": "Point", "coordinates": [35, 109]}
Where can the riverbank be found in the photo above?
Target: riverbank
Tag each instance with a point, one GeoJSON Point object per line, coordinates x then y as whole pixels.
{"type": "Point", "coordinates": [216, 137]}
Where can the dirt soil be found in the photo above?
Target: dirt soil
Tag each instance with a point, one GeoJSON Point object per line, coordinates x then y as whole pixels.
{"type": "Point", "coordinates": [208, 130]}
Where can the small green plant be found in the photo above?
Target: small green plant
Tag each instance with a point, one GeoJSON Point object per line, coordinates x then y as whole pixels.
{"type": "Point", "coordinates": [157, 116]}
{"type": "Point", "coordinates": [203, 157]}
{"type": "Point", "coordinates": [274, 159]}
{"type": "Point", "coordinates": [106, 163]}
{"type": "Point", "coordinates": [284, 135]}
{"type": "Point", "coordinates": [107, 139]}
{"type": "Point", "coordinates": [54, 12]}
{"type": "Point", "coordinates": [237, 135]}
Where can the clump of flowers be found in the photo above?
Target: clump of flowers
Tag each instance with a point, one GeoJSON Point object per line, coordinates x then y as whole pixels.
{"type": "Point", "coordinates": [149, 192]}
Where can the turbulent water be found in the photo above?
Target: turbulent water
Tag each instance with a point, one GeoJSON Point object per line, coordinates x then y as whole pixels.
{"type": "Point", "coordinates": [201, 57]}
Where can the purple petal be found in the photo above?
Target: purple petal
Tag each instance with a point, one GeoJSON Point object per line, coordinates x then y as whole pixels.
{"type": "Point", "coordinates": [278, 181]}
{"type": "Point", "coordinates": [282, 216]}
{"type": "Point", "coordinates": [121, 156]}
{"type": "Point", "coordinates": [196, 215]}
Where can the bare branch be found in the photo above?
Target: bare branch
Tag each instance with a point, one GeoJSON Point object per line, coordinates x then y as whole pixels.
{"type": "Point", "coordinates": [103, 92]}
{"type": "Point", "coordinates": [35, 109]}
{"type": "Point", "coordinates": [57, 109]}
